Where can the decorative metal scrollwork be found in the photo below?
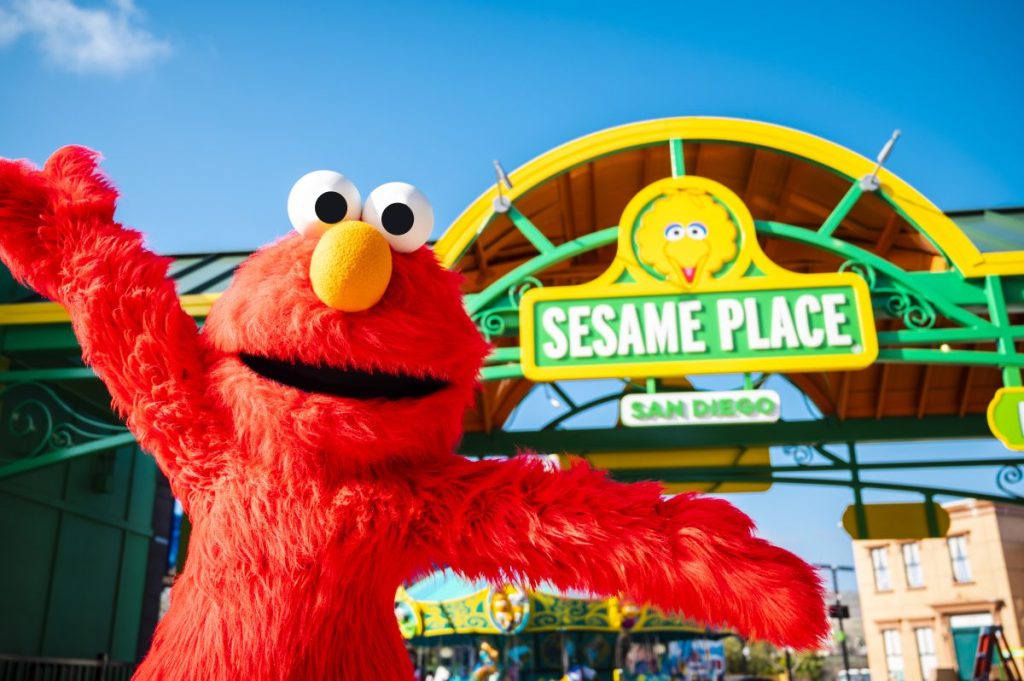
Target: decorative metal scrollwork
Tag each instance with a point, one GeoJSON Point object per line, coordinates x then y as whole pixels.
{"type": "Point", "coordinates": [516, 293]}
{"type": "Point", "coordinates": [864, 270]}
{"type": "Point", "coordinates": [491, 321]}
{"type": "Point", "coordinates": [803, 455]}
{"type": "Point", "coordinates": [38, 421]}
{"type": "Point", "coordinates": [900, 301]}
{"type": "Point", "coordinates": [1006, 477]}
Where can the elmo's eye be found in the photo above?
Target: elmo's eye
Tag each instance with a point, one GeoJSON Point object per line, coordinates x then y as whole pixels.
{"type": "Point", "coordinates": [696, 230]}
{"type": "Point", "coordinates": [674, 232]}
{"type": "Point", "coordinates": [402, 213]}
{"type": "Point", "coordinates": [320, 199]}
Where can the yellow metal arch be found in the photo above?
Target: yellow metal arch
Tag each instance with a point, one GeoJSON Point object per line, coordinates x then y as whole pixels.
{"type": "Point", "coordinates": [932, 221]}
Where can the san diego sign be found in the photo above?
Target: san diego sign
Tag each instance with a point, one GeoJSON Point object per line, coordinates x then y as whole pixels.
{"type": "Point", "coordinates": [691, 292]}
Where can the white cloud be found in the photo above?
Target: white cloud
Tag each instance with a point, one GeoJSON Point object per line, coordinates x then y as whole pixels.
{"type": "Point", "coordinates": [10, 27]}
{"type": "Point", "coordinates": [83, 39]}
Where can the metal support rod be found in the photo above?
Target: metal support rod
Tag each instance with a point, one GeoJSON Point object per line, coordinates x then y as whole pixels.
{"type": "Point", "coordinates": [529, 230]}
{"type": "Point", "coordinates": [841, 210]}
{"type": "Point", "coordinates": [568, 401]}
{"type": "Point", "coordinates": [870, 182]}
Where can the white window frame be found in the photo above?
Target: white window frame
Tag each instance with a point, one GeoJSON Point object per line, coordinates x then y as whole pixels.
{"type": "Point", "coordinates": [893, 645]}
{"type": "Point", "coordinates": [910, 569]}
{"type": "Point", "coordinates": [880, 567]}
{"type": "Point", "coordinates": [927, 658]}
{"type": "Point", "coordinates": [960, 558]}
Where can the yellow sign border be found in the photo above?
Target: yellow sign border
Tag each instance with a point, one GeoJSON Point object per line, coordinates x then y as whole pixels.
{"type": "Point", "coordinates": [990, 417]}
{"type": "Point", "coordinates": [607, 285]}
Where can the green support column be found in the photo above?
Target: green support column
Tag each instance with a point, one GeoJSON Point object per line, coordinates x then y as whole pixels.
{"type": "Point", "coordinates": [858, 497]}
{"type": "Point", "coordinates": [1005, 343]}
{"type": "Point", "coordinates": [675, 148]}
{"type": "Point", "coordinates": [931, 516]}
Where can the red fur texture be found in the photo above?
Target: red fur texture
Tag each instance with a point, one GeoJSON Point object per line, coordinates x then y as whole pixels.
{"type": "Point", "coordinates": [310, 510]}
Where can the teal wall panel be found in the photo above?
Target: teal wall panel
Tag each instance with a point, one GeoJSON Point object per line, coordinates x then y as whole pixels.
{"type": "Point", "coordinates": [76, 539]}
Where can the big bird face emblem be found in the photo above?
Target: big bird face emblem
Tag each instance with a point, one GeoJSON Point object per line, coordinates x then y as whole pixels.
{"type": "Point", "coordinates": [687, 237]}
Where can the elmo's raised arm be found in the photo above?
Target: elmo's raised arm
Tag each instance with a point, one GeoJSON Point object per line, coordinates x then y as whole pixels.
{"type": "Point", "coordinates": [519, 520]}
{"type": "Point", "coordinates": [58, 236]}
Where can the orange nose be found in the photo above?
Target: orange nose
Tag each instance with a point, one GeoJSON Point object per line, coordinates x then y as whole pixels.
{"type": "Point", "coordinates": [351, 267]}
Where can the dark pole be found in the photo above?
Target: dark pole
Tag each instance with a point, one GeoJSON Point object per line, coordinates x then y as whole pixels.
{"type": "Point", "coordinates": [842, 632]}
{"type": "Point", "coordinates": [839, 614]}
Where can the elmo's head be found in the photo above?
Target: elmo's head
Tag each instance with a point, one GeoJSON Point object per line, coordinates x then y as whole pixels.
{"type": "Point", "coordinates": [346, 341]}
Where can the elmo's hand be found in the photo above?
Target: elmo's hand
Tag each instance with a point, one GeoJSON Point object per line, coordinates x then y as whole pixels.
{"type": "Point", "coordinates": [58, 236]}
{"type": "Point", "coordinates": [576, 529]}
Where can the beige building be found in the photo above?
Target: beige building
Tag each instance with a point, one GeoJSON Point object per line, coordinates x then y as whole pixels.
{"type": "Point", "coordinates": [923, 602]}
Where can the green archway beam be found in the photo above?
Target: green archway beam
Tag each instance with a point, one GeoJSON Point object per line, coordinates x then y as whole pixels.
{"type": "Point", "coordinates": [63, 455]}
{"type": "Point", "coordinates": [735, 475]}
{"type": "Point", "coordinates": [810, 432]}
{"type": "Point", "coordinates": [475, 303]}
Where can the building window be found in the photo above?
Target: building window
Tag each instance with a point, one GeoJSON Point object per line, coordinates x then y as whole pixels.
{"type": "Point", "coordinates": [912, 564]}
{"type": "Point", "coordinates": [959, 559]}
{"type": "Point", "coordinates": [926, 652]}
{"type": "Point", "coordinates": [893, 654]}
{"type": "Point", "coordinates": [880, 563]}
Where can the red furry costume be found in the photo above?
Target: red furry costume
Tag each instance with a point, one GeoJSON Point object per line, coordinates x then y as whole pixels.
{"type": "Point", "coordinates": [310, 509]}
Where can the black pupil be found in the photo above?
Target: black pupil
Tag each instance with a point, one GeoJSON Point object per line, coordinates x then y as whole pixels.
{"type": "Point", "coordinates": [331, 207]}
{"type": "Point", "coordinates": [397, 218]}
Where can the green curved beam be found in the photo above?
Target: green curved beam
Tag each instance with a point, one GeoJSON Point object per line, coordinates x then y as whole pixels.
{"type": "Point", "coordinates": [588, 242]}
{"type": "Point", "coordinates": [879, 264]}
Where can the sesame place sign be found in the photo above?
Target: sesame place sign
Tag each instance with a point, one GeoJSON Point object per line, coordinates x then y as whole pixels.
{"type": "Point", "coordinates": [691, 292]}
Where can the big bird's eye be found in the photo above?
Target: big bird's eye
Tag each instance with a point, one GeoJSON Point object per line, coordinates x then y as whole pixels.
{"type": "Point", "coordinates": [674, 232]}
{"type": "Point", "coordinates": [320, 199]}
{"type": "Point", "coordinates": [402, 213]}
{"type": "Point", "coordinates": [696, 230]}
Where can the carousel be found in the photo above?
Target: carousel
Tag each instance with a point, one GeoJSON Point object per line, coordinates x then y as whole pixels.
{"type": "Point", "coordinates": [462, 630]}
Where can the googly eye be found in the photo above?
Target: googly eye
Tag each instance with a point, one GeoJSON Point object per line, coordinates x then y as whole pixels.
{"type": "Point", "coordinates": [697, 231]}
{"type": "Point", "coordinates": [674, 232]}
{"type": "Point", "coordinates": [402, 213]}
{"type": "Point", "coordinates": [320, 199]}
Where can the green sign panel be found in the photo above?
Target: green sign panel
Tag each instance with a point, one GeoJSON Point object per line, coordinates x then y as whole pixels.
{"type": "Point", "coordinates": [711, 332]}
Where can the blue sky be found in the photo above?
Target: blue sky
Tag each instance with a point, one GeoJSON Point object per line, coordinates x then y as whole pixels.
{"type": "Point", "coordinates": [208, 112]}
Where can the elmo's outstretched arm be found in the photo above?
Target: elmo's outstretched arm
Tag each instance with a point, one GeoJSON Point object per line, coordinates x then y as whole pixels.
{"type": "Point", "coordinates": [58, 235]}
{"type": "Point", "coordinates": [520, 520]}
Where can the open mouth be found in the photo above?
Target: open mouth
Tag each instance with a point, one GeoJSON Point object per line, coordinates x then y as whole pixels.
{"type": "Point", "coordinates": [690, 273]}
{"type": "Point", "coordinates": [352, 383]}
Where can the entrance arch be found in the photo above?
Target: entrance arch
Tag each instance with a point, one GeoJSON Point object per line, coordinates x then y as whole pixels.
{"type": "Point", "coordinates": [948, 312]}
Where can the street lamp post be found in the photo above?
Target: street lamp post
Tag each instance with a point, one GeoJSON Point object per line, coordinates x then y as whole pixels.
{"type": "Point", "coordinates": [839, 611]}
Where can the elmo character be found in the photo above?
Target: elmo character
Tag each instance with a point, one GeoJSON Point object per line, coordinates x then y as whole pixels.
{"type": "Point", "coordinates": [308, 431]}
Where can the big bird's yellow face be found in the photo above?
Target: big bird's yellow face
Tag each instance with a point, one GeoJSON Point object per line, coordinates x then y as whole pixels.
{"type": "Point", "coordinates": [687, 237]}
